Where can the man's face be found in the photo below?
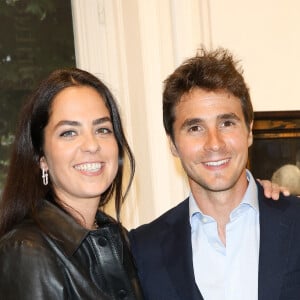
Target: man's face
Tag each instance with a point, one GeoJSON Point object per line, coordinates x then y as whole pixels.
{"type": "Point", "coordinates": [211, 139]}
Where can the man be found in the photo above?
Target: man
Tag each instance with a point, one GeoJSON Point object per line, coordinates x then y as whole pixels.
{"type": "Point", "coordinates": [226, 241]}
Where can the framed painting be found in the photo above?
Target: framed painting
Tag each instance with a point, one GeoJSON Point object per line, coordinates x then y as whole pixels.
{"type": "Point", "coordinates": [276, 142]}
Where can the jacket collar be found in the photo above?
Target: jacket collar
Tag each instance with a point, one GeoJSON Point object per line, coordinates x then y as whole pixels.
{"type": "Point", "coordinates": [62, 228]}
{"type": "Point", "coordinates": [275, 234]}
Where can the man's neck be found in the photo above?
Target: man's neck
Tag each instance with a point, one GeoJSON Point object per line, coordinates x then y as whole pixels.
{"type": "Point", "coordinates": [219, 205]}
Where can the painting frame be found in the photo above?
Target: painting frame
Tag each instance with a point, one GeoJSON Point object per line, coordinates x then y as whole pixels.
{"type": "Point", "coordinates": [276, 142]}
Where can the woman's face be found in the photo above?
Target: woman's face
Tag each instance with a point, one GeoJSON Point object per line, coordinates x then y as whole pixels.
{"type": "Point", "coordinates": [80, 148]}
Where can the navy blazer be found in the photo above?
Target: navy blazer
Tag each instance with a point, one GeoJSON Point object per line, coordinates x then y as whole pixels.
{"type": "Point", "coordinates": [163, 252]}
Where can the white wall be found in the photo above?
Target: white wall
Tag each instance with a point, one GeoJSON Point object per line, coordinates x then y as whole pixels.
{"type": "Point", "coordinates": [134, 44]}
{"type": "Point", "coordinates": [266, 36]}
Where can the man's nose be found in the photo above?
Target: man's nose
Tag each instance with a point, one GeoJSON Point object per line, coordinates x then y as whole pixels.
{"type": "Point", "coordinates": [214, 141]}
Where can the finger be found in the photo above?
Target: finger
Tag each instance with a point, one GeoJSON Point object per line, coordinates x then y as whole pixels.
{"type": "Point", "coordinates": [280, 189]}
{"type": "Point", "coordinates": [275, 194]}
{"type": "Point", "coordinates": [285, 191]}
{"type": "Point", "coordinates": [267, 185]}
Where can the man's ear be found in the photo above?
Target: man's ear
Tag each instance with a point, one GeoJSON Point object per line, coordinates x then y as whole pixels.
{"type": "Point", "coordinates": [250, 137]}
{"type": "Point", "coordinates": [172, 146]}
{"type": "Point", "coordinates": [43, 163]}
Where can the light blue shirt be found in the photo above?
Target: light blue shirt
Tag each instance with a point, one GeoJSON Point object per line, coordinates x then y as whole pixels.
{"type": "Point", "coordinates": [231, 272]}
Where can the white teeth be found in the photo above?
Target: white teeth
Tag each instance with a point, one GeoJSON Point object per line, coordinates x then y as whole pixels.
{"type": "Point", "coordinates": [89, 167]}
{"type": "Point", "coordinates": [217, 163]}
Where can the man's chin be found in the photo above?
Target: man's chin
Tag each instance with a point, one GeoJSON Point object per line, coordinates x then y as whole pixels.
{"type": "Point", "coordinates": [219, 186]}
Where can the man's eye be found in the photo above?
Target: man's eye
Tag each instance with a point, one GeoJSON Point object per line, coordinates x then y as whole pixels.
{"type": "Point", "coordinates": [194, 129]}
{"type": "Point", "coordinates": [227, 123]}
{"type": "Point", "coordinates": [69, 133]}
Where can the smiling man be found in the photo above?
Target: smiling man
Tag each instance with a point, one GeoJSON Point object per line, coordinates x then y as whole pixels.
{"type": "Point", "coordinates": [226, 241]}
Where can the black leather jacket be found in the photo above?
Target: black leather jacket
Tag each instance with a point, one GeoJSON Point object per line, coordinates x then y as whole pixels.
{"type": "Point", "coordinates": [59, 259]}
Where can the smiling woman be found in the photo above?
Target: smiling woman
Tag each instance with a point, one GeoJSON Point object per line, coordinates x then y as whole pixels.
{"type": "Point", "coordinates": [80, 150]}
{"type": "Point", "coordinates": [66, 164]}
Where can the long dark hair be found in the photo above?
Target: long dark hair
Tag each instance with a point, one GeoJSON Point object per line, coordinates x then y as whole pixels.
{"type": "Point", "coordinates": [24, 191]}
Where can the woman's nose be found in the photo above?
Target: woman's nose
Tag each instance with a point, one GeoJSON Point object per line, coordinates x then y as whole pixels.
{"type": "Point", "coordinates": [90, 143]}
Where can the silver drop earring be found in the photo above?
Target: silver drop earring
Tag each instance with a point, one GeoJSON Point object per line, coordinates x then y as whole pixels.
{"type": "Point", "coordinates": [45, 176]}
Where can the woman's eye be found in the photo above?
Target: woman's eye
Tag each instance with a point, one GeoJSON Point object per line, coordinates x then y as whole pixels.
{"type": "Point", "coordinates": [69, 133]}
{"type": "Point", "coordinates": [104, 130]}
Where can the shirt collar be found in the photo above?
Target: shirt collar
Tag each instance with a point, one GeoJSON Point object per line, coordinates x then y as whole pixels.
{"type": "Point", "coordinates": [250, 196]}
{"type": "Point", "coordinates": [250, 199]}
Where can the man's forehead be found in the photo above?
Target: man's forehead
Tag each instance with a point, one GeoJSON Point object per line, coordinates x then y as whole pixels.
{"type": "Point", "coordinates": [203, 94]}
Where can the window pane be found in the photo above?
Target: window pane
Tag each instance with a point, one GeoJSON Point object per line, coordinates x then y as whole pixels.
{"type": "Point", "coordinates": [36, 37]}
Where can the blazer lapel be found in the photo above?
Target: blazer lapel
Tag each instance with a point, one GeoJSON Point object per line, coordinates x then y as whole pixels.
{"type": "Point", "coordinates": [177, 252]}
{"type": "Point", "coordinates": [275, 235]}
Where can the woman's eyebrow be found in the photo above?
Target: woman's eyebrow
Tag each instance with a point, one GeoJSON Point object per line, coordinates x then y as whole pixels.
{"type": "Point", "coordinates": [67, 122]}
{"type": "Point", "coordinates": [101, 120]}
{"type": "Point", "coordinates": [77, 123]}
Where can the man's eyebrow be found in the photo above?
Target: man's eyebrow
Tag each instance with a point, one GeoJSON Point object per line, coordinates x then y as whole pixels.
{"type": "Point", "coordinates": [198, 121]}
{"type": "Point", "coordinates": [191, 122]}
{"type": "Point", "coordinates": [229, 116]}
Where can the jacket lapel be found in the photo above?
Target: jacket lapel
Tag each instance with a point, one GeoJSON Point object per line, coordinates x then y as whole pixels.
{"type": "Point", "coordinates": [177, 252]}
{"type": "Point", "coordinates": [275, 237]}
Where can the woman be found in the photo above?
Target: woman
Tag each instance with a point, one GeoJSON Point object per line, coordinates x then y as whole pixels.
{"type": "Point", "coordinates": [66, 164]}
